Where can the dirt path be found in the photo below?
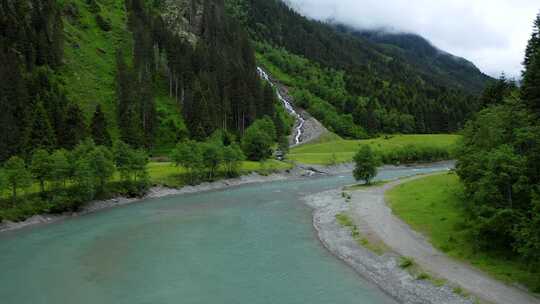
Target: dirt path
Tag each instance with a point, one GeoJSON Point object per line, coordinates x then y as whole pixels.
{"type": "Point", "coordinates": [371, 213]}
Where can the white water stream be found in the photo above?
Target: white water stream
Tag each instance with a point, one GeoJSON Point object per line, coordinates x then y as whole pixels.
{"type": "Point", "coordinates": [300, 120]}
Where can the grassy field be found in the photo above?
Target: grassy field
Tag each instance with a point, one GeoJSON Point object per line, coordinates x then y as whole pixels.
{"type": "Point", "coordinates": [432, 206]}
{"type": "Point", "coordinates": [168, 174]}
{"type": "Point", "coordinates": [335, 150]}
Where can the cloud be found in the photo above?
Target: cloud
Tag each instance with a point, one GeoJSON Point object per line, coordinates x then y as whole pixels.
{"type": "Point", "coordinates": [491, 33]}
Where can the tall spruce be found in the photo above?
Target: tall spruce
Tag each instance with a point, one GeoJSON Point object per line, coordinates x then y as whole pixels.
{"type": "Point", "coordinates": [76, 129]}
{"type": "Point", "coordinates": [99, 128]}
{"type": "Point", "coordinates": [531, 75]}
{"type": "Point", "coordinates": [40, 134]}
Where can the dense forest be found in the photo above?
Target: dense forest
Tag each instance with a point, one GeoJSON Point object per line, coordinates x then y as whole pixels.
{"type": "Point", "coordinates": [499, 163]}
{"type": "Point", "coordinates": [212, 81]}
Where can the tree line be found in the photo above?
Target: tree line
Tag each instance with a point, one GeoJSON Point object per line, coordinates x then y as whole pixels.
{"type": "Point", "coordinates": [499, 164]}
{"type": "Point", "coordinates": [66, 179]}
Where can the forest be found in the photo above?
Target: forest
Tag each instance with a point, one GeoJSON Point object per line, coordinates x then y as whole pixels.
{"type": "Point", "coordinates": [384, 90]}
{"type": "Point", "coordinates": [499, 164]}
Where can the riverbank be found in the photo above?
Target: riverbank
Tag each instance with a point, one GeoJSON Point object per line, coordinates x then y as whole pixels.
{"type": "Point", "coordinates": [373, 218]}
{"type": "Point", "coordinates": [299, 171]}
{"type": "Point", "coordinates": [382, 270]}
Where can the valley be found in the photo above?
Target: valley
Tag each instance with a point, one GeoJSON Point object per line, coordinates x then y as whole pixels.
{"type": "Point", "coordinates": [247, 151]}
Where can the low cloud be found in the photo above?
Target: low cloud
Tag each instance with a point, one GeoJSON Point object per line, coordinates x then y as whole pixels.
{"type": "Point", "coordinates": [491, 33]}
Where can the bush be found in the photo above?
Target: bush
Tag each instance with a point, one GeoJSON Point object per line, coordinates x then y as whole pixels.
{"type": "Point", "coordinates": [258, 140]}
{"type": "Point", "coordinates": [415, 154]}
{"type": "Point", "coordinates": [406, 262]}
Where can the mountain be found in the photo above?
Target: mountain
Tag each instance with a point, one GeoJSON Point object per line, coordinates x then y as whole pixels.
{"type": "Point", "coordinates": [427, 58]}
{"type": "Point", "coordinates": [382, 83]}
{"type": "Point", "coordinates": [155, 72]}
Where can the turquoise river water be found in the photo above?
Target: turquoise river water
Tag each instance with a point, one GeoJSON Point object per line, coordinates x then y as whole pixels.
{"type": "Point", "coordinates": [250, 244]}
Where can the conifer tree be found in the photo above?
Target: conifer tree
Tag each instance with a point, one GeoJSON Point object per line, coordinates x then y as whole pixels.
{"type": "Point", "coordinates": [41, 134]}
{"type": "Point", "coordinates": [76, 129]}
{"type": "Point", "coordinates": [530, 91]}
{"type": "Point", "coordinates": [534, 43]}
{"type": "Point", "coordinates": [99, 130]}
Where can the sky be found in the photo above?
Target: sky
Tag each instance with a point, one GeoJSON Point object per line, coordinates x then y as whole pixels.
{"type": "Point", "coordinates": [492, 34]}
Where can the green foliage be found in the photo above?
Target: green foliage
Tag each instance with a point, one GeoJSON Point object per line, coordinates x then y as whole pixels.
{"type": "Point", "coordinates": [232, 158]}
{"type": "Point", "coordinates": [212, 154]}
{"type": "Point", "coordinates": [102, 165]}
{"type": "Point", "coordinates": [406, 262]}
{"type": "Point", "coordinates": [41, 167]}
{"type": "Point", "coordinates": [258, 140]}
{"type": "Point", "coordinates": [41, 134]}
{"type": "Point", "coordinates": [16, 176]}
{"type": "Point", "coordinates": [365, 164]}
{"type": "Point", "coordinates": [132, 166]}
{"type": "Point", "coordinates": [61, 169]}
{"type": "Point", "coordinates": [189, 155]}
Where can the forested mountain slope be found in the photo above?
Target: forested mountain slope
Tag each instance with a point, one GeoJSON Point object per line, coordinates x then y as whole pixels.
{"type": "Point", "coordinates": [150, 73]}
{"type": "Point", "coordinates": [387, 89]}
{"type": "Point", "coordinates": [154, 72]}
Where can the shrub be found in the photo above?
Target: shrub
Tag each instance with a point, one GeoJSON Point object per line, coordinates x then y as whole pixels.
{"type": "Point", "coordinates": [406, 262]}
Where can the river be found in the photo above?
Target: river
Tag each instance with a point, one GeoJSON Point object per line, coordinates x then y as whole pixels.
{"type": "Point", "coordinates": [251, 244]}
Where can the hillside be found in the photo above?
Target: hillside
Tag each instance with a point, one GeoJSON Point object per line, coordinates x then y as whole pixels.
{"type": "Point", "coordinates": [416, 50]}
{"type": "Point", "coordinates": [382, 87]}
{"type": "Point", "coordinates": [153, 73]}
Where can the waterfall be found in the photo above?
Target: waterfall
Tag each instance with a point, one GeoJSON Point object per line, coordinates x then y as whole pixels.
{"type": "Point", "coordinates": [301, 121]}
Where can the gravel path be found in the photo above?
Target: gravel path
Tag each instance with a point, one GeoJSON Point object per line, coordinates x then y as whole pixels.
{"type": "Point", "coordinates": [369, 210]}
{"type": "Point", "coordinates": [383, 271]}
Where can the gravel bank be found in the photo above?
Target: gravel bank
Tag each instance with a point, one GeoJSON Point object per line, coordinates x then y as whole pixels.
{"type": "Point", "coordinates": [383, 270]}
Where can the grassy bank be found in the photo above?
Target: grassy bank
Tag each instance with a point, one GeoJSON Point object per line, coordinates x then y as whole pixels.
{"type": "Point", "coordinates": [160, 174]}
{"type": "Point", "coordinates": [167, 174]}
{"type": "Point", "coordinates": [392, 149]}
{"type": "Point", "coordinates": [432, 206]}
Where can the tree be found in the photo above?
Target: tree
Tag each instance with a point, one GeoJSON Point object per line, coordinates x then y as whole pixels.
{"type": "Point", "coordinates": [75, 127]}
{"type": "Point", "coordinates": [17, 176]}
{"type": "Point", "coordinates": [60, 167]}
{"type": "Point", "coordinates": [232, 158]}
{"type": "Point", "coordinates": [132, 165]}
{"type": "Point", "coordinates": [99, 130]}
{"type": "Point", "coordinates": [365, 164]}
{"type": "Point", "coordinates": [102, 165]}
{"type": "Point", "coordinates": [212, 157]}
{"type": "Point", "coordinates": [258, 139]}
{"type": "Point", "coordinates": [41, 167]}
{"type": "Point", "coordinates": [189, 156]}
{"type": "Point", "coordinates": [41, 132]}
{"type": "Point", "coordinates": [530, 91]}
{"type": "Point", "coordinates": [122, 154]}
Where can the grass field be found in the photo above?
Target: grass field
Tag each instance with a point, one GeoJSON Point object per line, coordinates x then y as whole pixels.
{"type": "Point", "coordinates": [335, 150]}
{"type": "Point", "coordinates": [432, 206]}
{"type": "Point", "coordinates": [168, 174]}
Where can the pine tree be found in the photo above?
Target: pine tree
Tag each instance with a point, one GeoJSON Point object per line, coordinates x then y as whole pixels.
{"type": "Point", "coordinates": [268, 103]}
{"type": "Point", "coordinates": [530, 91]}
{"type": "Point", "coordinates": [534, 43]}
{"type": "Point", "coordinates": [99, 130]}
{"type": "Point", "coordinates": [40, 134]}
{"type": "Point", "coordinates": [76, 129]}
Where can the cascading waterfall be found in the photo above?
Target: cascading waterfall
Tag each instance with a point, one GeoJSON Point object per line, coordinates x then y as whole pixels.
{"type": "Point", "coordinates": [301, 121]}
